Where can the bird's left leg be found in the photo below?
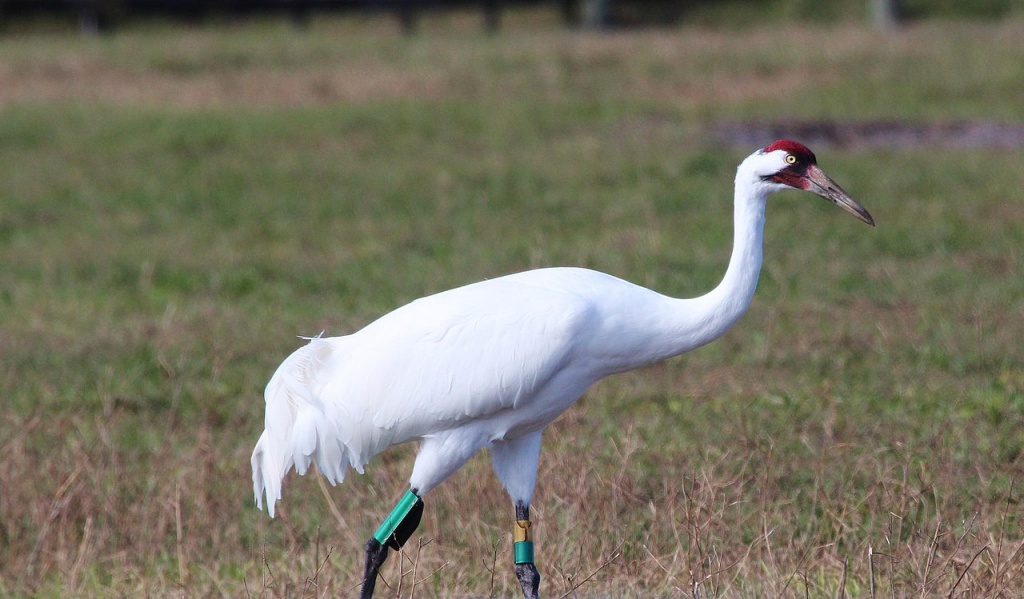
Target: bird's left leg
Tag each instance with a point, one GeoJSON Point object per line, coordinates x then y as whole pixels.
{"type": "Point", "coordinates": [515, 463]}
{"type": "Point", "coordinates": [526, 571]}
{"type": "Point", "coordinates": [393, 532]}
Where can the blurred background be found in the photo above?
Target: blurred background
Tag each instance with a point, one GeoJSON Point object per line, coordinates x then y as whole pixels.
{"type": "Point", "coordinates": [187, 187]}
{"type": "Point", "coordinates": [96, 15]}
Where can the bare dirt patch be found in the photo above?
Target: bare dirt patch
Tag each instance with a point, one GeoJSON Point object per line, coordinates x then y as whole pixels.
{"type": "Point", "coordinates": [95, 82]}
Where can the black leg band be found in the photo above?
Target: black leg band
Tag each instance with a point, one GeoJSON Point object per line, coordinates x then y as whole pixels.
{"type": "Point", "coordinates": [406, 527]}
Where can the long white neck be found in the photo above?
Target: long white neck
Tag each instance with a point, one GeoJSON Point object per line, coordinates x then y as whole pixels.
{"type": "Point", "coordinates": [685, 324]}
{"type": "Point", "coordinates": [719, 309]}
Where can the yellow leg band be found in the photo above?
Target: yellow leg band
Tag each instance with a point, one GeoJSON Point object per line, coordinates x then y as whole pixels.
{"type": "Point", "coordinates": [522, 531]}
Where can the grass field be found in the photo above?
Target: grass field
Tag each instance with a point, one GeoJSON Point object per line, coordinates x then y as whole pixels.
{"type": "Point", "coordinates": [178, 204]}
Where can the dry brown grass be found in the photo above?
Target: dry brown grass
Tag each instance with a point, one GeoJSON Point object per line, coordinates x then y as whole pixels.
{"type": "Point", "coordinates": [190, 70]}
{"type": "Point", "coordinates": [168, 532]}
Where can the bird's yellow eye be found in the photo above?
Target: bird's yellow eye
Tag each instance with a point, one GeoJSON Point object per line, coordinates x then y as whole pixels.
{"type": "Point", "coordinates": [790, 158]}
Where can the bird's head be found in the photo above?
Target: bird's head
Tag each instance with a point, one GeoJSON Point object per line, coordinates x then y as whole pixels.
{"type": "Point", "coordinates": [787, 164]}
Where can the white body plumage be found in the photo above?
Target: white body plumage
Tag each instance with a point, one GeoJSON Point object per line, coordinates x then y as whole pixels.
{"type": "Point", "coordinates": [492, 363]}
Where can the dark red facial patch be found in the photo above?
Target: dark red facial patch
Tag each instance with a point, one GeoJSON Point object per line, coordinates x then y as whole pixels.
{"type": "Point", "coordinates": [802, 153]}
{"type": "Point", "coordinates": [791, 177]}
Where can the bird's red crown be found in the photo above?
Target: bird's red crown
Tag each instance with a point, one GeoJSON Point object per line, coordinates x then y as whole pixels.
{"type": "Point", "coordinates": [795, 148]}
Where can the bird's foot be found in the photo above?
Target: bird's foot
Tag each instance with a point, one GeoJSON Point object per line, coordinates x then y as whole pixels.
{"type": "Point", "coordinates": [529, 580]}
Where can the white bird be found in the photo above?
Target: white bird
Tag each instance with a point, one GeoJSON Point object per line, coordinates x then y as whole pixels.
{"type": "Point", "coordinates": [493, 363]}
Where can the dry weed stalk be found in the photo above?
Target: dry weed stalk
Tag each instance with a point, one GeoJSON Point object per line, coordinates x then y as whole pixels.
{"type": "Point", "coordinates": [579, 583]}
{"type": "Point", "coordinates": [179, 541]}
{"type": "Point", "coordinates": [83, 547]}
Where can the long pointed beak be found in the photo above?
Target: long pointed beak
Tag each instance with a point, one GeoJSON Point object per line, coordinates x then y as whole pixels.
{"type": "Point", "coordinates": [821, 184]}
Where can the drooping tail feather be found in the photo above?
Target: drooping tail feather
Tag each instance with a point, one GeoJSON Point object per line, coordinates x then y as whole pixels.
{"type": "Point", "coordinates": [266, 474]}
{"type": "Point", "coordinates": [297, 431]}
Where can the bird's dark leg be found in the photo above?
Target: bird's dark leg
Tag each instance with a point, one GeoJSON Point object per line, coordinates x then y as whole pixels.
{"type": "Point", "coordinates": [393, 532]}
{"type": "Point", "coordinates": [526, 571]}
{"type": "Point", "coordinates": [376, 553]}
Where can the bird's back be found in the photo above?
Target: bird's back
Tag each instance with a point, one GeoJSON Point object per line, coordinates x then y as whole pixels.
{"type": "Point", "coordinates": [514, 351]}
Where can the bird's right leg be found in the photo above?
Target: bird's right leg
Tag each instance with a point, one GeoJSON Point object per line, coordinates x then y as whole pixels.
{"type": "Point", "coordinates": [440, 455]}
{"type": "Point", "coordinates": [393, 532]}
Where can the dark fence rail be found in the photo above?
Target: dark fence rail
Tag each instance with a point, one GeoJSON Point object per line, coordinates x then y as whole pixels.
{"type": "Point", "coordinates": [99, 15]}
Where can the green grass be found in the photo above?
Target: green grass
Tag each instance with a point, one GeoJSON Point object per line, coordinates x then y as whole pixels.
{"type": "Point", "coordinates": [177, 205]}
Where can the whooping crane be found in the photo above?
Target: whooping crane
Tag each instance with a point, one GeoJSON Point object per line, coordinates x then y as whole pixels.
{"type": "Point", "coordinates": [491, 364]}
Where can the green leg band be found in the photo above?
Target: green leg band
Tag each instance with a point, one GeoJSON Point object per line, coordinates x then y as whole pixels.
{"type": "Point", "coordinates": [524, 552]}
{"type": "Point", "coordinates": [394, 519]}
